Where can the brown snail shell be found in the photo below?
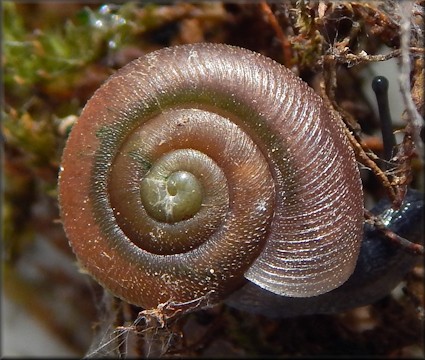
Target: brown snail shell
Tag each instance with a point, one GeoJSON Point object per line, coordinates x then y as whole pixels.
{"type": "Point", "coordinates": [270, 188]}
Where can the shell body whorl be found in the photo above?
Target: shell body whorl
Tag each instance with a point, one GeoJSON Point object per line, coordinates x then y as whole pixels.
{"type": "Point", "coordinates": [274, 192]}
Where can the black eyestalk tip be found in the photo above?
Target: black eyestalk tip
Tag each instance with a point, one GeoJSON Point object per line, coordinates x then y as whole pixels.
{"type": "Point", "coordinates": [380, 87]}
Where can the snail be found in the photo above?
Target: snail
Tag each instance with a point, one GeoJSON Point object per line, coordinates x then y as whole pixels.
{"type": "Point", "coordinates": [381, 266]}
{"type": "Point", "coordinates": [202, 171]}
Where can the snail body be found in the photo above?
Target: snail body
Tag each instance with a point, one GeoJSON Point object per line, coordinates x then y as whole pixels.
{"type": "Point", "coordinates": [381, 266]}
{"type": "Point", "coordinates": [199, 168]}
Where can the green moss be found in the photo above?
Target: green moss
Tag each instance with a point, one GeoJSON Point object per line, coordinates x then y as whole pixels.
{"type": "Point", "coordinates": [36, 138]}
{"type": "Point", "coordinates": [32, 57]}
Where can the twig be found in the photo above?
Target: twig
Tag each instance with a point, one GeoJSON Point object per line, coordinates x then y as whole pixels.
{"type": "Point", "coordinates": [415, 249]}
{"type": "Point", "coordinates": [414, 118]}
{"type": "Point", "coordinates": [286, 46]}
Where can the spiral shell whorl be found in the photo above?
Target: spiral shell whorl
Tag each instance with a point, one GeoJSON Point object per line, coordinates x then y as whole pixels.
{"type": "Point", "coordinates": [277, 156]}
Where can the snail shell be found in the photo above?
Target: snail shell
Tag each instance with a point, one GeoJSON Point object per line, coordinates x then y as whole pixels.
{"type": "Point", "coordinates": [196, 168]}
